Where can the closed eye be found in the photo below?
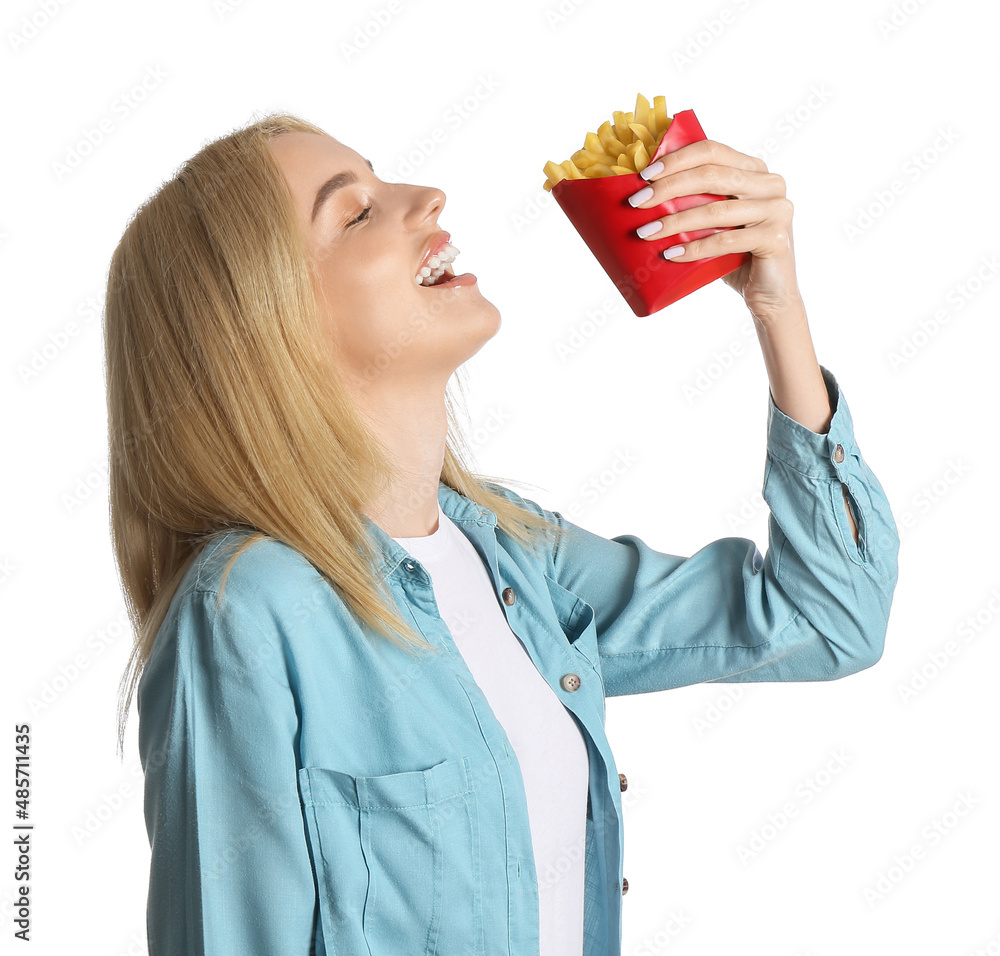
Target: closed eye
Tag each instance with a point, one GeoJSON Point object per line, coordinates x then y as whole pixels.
{"type": "Point", "coordinates": [362, 217]}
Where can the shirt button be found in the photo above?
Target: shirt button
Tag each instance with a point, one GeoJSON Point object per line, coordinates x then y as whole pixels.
{"type": "Point", "coordinates": [508, 596]}
{"type": "Point", "coordinates": [838, 453]}
{"type": "Point", "coordinates": [570, 682]}
{"type": "Point", "coordinates": [409, 564]}
{"type": "Point", "coordinates": [623, 782]}
{"type": "Point", "coordinates": [624, 886]}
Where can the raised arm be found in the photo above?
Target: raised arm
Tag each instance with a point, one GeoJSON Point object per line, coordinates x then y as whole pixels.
{"type": "Point", "coordinates": [815, 607]}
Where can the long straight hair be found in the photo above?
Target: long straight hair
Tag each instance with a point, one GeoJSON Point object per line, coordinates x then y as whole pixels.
{"type": "Point", "coordinates": [225, 409]}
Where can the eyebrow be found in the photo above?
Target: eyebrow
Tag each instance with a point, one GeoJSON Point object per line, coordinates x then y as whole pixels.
{"type": "Point", "coordinates": [332, 185]}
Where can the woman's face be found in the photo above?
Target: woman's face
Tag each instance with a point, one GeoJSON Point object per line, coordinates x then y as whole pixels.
{"type": "Point", "coordinates": [387, 330]}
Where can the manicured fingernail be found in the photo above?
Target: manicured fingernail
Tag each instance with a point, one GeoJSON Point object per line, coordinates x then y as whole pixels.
{"type": "Point", "coordinates": [652, 170]}
{"type": "Point", "coordinates": [673, 251]}
{"type": "Point", "coordinates": [647, 229]}
{"type": "Point", "coordinates": [641, 196]}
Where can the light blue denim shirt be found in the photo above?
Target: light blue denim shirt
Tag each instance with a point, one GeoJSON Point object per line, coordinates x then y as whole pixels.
{"type": "Point", "coordinates": [308, 784]}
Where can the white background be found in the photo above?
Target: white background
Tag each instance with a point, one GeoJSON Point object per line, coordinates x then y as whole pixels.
{"type": "Point", "coordinates": [853, 96]}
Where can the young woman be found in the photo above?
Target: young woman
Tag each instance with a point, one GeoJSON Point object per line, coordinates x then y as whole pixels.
{"type": "Point", "coordinates": [371, 683]}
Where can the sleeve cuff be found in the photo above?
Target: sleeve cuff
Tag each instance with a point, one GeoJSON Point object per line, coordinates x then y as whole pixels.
{"type": "Point", "coordinates": [808, 452]}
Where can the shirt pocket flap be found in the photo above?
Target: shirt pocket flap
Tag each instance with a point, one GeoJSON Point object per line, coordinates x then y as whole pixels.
{"type": "Point", "coordinates": [323, 785]}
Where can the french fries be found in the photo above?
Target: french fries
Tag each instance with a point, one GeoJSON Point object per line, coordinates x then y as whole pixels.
{"type": "Point", "coordinates": [623, 145]}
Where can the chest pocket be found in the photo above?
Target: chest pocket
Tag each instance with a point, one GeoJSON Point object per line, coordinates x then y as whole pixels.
{"type": "Point", "coordinates": [397, 859]}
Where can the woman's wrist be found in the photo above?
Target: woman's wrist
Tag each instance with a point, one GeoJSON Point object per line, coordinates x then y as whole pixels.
{"type": "Point", "coordinates": [793, 371]}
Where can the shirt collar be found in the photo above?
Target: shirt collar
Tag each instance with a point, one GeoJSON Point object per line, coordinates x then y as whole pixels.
{"type": "Point", "coordinates": [456, 506]}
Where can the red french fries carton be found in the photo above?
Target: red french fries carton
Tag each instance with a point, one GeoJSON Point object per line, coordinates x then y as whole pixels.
{"type": "Point", "coordinates": [600, 212]}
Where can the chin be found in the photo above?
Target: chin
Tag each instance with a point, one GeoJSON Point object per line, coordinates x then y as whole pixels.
{"type": "Point", "coordinates": [486, 326]}
{"type": "Point", "coordinates": [497, 320]}
{"type": "Point", "coordinates": [491, 323]}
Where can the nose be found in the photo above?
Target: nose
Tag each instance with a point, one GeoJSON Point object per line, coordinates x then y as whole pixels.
{"type": "Point", "coordinates": [427, 203]}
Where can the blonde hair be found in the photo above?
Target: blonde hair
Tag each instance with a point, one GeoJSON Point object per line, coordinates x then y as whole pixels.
{"type": "Point", "coordinates": [225, 409]}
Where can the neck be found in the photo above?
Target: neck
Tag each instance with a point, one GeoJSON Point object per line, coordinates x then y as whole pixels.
{"type": "Point", "coordinates": [412, 426]}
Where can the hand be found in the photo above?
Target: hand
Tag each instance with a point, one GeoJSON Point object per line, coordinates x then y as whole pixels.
{"type": "Point", "coordinates": [756, 206]}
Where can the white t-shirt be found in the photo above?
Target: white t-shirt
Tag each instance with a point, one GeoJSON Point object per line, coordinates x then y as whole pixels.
{"type": "Point", "coordinates": [550, 749]}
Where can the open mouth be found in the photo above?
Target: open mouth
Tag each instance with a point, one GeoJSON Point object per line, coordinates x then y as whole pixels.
{"type": "Point", "coordinates": [438, 269]}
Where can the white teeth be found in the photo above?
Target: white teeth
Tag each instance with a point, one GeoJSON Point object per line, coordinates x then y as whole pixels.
{"type": "Point", "coordinates": [437, 265]}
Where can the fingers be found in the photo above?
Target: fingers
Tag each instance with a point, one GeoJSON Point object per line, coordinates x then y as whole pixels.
{"type": "Point", "coordinates": [765, 240]}
{"type": "Point", "coordinates": [708, 167]}
{"type": "Point", "coordinates": [707, 151]}
{"type": "Point", "coordinates": [714, 179]}
{"type": "Point", "coordinates": [716, 215]}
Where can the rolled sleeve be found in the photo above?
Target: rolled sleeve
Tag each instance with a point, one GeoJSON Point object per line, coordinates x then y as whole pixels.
{"type": "Point", "coordinates": [841, 588]}
{"type": "Point", "coordinates": [812, 454]}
